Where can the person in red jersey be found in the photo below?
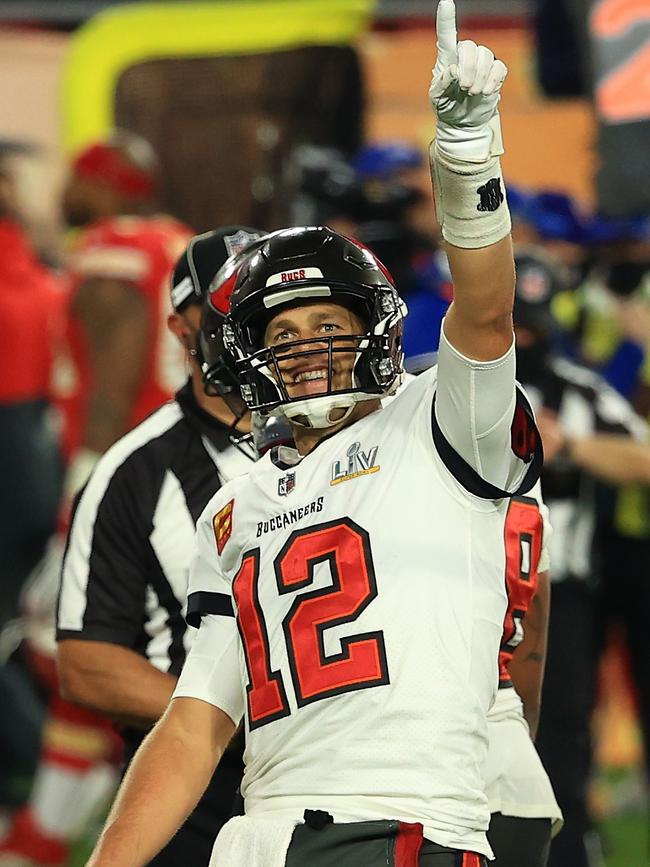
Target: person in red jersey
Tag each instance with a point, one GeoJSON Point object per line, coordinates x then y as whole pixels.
{"type": "Point", "coordinates": [30, 302]}
{"type": "Point", "coordinates": [120, 363]}
{"type": "Point", "coordinates": [116, 365]}
{"type": "Point", "coordinates": [30, 464]}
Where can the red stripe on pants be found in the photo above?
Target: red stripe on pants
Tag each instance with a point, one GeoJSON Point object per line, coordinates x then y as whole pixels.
{"type": "Point", "coordinates": [471, 859]}
{"type": "Point", "coordinates": [408, 844]}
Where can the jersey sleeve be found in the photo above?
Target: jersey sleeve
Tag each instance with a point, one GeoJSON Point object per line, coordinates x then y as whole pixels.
{"type": "Point", "coordinates": [103, 578]}
{"type": "Point", "coordinates": [209, 591]}
{"type": "Point", "coordinates": [483, 425]}
{"type": "Point", "coordinates": [212, 669]}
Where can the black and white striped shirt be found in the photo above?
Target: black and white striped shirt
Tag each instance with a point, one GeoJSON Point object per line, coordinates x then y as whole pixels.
{"type": "Point", "coordinates": [125, 570]}
{"type": "Point", "coordinates": [585, 405]}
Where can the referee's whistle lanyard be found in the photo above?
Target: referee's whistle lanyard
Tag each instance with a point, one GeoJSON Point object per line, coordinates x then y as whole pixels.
{"type": "Point", "coordinates": [215, 430]}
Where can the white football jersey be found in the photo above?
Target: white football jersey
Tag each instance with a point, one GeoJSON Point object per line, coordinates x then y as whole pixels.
{"type": "Point", "coordinates": [368, 593]}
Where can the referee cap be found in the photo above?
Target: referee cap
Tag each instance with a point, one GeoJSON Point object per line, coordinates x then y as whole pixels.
{"type": "Point", "coordinates": [204, 256]}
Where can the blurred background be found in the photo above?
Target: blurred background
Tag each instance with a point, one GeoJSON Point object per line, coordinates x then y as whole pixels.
{"type": "Point", "coordinates": [275, 112]}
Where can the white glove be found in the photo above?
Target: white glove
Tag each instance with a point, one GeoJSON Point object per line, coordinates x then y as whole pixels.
{"type": "Point", "coordinates": [464, 93]}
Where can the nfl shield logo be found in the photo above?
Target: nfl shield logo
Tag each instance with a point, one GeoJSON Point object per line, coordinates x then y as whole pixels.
{"type": "Point", "coordinates": [286, 484]}
{"type": "Point", "coordinates": [238, 241]}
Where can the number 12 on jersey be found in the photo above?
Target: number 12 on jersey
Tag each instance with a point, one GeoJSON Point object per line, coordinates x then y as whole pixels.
{"type": "Point", "coordinates": [361, 662]}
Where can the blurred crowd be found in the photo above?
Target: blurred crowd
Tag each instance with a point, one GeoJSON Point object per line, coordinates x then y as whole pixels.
{"type": "Point", "coordinates": [85, 356]}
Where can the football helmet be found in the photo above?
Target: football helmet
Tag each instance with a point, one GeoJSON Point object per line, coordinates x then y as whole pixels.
{"type": "Point", "coordinates": [210, 263]}
{"type": "Point", "coordinates": [302, 265]}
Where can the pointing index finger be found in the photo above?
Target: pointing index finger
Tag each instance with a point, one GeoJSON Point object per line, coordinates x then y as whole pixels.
{"type": "Point", "coordinates": [446, 32]}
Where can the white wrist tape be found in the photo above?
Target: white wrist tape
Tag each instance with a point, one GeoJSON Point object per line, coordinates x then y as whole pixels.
{"type": "Point", "coordinates": [470, 200]}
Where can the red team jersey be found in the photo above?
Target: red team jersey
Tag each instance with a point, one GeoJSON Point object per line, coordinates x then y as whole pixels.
{"type": "Point", "coordinates": [31, 306]}
{"type": "Point", "coordinates": [141, 251]}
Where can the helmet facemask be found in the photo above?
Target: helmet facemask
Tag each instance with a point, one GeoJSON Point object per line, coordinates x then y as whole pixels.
{"type": "Point", "coordinates": [374, 372]}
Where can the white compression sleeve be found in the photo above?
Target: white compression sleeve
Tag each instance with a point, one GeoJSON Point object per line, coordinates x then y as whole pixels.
{"type": "Point", "coordinates": [475, 404]}
{"type": "Point", "coordinates": [211, 671]}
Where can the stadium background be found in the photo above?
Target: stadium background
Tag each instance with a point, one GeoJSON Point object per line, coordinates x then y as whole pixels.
{"type": "Point", "coordinates": [69, 69]}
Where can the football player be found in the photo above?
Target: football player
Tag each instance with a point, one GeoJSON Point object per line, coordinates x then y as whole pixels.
{"type": "Point", "coordinates": [590, 432]}
{"type": "Point", "coordinates": [117, 363]}
{"type": "Point", "coordinates": [350, 592]}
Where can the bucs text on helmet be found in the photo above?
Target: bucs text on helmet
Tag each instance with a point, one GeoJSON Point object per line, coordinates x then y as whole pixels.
{"type": "Point", "coordinates": [307, 265]}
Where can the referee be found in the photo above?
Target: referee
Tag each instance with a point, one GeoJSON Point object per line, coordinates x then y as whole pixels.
{"type": "Point", "coordinates": [590, 433]}
{"type": "Point", "coordinates": [120, 625]}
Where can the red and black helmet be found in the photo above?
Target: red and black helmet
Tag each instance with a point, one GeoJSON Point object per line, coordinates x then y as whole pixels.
{"type": "Point", "coordinates": [304, 265]}
{"type": "Point", "coordinates": [216, 362]}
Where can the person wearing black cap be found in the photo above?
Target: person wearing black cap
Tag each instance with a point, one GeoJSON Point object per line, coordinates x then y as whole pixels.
{"type": "Point", "coordinates": [120, 627]}
{"type": "Point", "coordinates": [589, 432]}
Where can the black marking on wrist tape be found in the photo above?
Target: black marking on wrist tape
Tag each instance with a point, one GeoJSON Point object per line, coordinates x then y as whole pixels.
{"type": "Point", "coordinates": [491, 195]}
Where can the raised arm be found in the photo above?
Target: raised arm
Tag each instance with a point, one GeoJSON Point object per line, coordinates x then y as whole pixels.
{"type": "Point", "coordinates": [483, 426]}
{"type": "Point", "coordinates": [470, 200]}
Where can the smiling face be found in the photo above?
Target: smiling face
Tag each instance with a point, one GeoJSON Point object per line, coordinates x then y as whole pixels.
{"type": "Point", "coordinates": [307, 375]}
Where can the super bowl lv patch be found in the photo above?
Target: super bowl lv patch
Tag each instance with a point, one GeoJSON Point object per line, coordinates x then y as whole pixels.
{"type": "Point", "coordinates": [222, 523]}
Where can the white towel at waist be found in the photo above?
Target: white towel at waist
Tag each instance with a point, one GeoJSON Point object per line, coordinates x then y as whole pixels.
{"type": "Point", "coordinates": [250, 842]}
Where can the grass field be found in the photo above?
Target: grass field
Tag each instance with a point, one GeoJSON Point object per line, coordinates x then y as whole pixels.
{"type": "Point", "coordinates": [621, 802]}
{"type": "Point", "coordinates": [626, 841]}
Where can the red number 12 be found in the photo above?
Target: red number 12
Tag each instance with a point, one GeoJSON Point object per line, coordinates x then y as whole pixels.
{"type": "Point", "coordinates": [361, 662]}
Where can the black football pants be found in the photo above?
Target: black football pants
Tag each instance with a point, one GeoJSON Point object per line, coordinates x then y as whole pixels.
{"type": "Point", "coordinates": [519, 842]}
{"type": "Point", "coordinates": [366, 844]}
